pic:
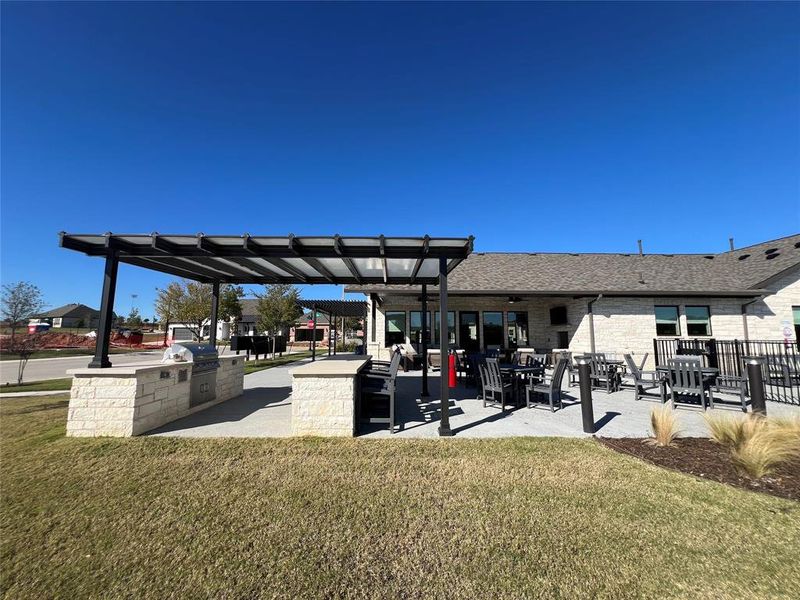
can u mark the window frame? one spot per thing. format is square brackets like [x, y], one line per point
[386, 331]
[436, 327]
[502, 333]
[709, 332]
[412, 329]
[677, 319]
[516, 326]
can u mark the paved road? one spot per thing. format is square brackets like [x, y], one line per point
[56, 368]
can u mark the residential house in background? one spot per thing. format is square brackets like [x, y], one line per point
[69, 315]
[598, 301]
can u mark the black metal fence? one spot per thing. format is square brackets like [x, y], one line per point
[781, 361]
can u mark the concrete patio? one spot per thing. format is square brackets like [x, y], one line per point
[264, 410]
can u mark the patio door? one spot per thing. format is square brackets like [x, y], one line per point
[468, 331]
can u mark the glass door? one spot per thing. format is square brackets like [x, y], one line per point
[468, 331]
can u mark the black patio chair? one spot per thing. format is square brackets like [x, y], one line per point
[642, 380]
[550, 387]
[601, 373]
[494, 385]
[377, 393]
[685, 378]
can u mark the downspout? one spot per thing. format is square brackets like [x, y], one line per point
[591, 322]
[744, 316]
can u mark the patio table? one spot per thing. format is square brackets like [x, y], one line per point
[518, 372]
[708, 374]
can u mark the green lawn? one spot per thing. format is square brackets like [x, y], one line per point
[46, 385]
[458, 518]
[253, 366]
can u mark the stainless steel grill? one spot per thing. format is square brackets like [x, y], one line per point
[205, 362]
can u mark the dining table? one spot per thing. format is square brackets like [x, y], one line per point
[518, 374]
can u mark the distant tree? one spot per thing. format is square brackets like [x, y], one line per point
[277, 309]
[24, 346]
[230, 309]
[134, 319]
[166, 306]
[19, 302]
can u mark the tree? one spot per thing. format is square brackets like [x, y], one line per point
[230, 309]
[277, 309]
[134, 319]
[20, 301]
[24, 347]
[166, 306]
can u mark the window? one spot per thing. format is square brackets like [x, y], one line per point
[563, 339]
[698, 320]
[558, 315]
[451, 327]
[395, 327]
[796, 315]
[517, 330]
[667, 322]
[415, 326]
[493, 330]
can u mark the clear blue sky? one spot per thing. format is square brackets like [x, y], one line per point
[536, 127]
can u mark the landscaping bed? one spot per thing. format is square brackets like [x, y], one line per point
[705, 458]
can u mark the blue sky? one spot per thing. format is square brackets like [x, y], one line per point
[535, 127]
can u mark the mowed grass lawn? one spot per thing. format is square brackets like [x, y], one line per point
[534, 518]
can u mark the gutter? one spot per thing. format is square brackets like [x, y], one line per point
[591, 322]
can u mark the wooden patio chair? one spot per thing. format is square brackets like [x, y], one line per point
[601, 375]
[549, 388]
[377, 393]
[642, 380]
[495, 387]
[686, 379]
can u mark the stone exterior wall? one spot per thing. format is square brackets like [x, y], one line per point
[122, 402]
[621, 324]
[324, 405]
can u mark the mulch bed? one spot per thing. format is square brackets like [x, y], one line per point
[704, 458]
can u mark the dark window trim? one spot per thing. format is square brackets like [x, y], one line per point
[710, 332]
[677, 319]
[386, 343]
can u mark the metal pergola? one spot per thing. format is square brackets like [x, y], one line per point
[246, 259]
[334, 309]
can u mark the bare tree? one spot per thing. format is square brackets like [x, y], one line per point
[20, 301]
[24, 346]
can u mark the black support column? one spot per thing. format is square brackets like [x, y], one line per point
[313, 332]
[444, 347]
[212, 330]
[424, 392]
[100, 360]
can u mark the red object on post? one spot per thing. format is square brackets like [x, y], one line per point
[451, 381]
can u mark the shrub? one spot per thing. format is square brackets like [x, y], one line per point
[664, 424]
[769, 444]
[730, 431]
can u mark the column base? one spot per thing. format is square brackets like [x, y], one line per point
[445, 432]
[99, 363]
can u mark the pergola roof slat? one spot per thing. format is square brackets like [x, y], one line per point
[270, 259]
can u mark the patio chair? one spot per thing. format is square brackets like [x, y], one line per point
[473, 362]
[495, 387]
[642, 380]
[377, 393]
[601, 373]
[550, 389]
[686, 379]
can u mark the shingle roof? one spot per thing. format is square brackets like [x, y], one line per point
[546, 273]
[70, 310]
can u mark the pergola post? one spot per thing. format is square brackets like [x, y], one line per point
[444, 346]
[333, 322]
[424, 392]
[330, 332]
[100, 360]
[314, 332]
[212, 333]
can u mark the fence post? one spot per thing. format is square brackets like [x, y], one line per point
[756, 377]
[587, 411]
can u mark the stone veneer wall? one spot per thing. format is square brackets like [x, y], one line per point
[124, 401]
[324, 405]
[621, 324]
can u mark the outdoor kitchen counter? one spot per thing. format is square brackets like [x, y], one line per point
[324, 396]
[130, 400]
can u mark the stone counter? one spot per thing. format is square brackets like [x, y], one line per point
[126, 401]
[324, 396]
